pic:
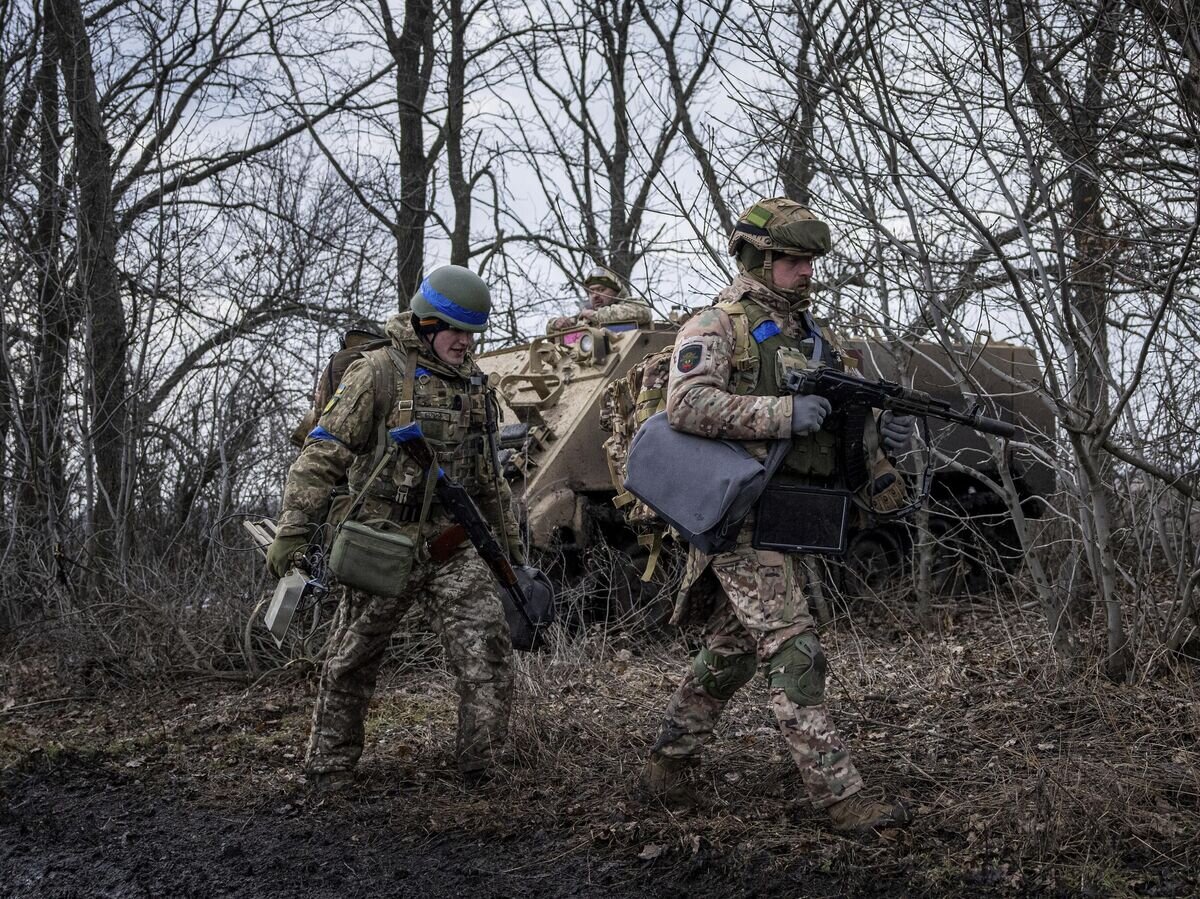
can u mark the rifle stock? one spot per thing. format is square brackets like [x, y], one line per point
[462, 509]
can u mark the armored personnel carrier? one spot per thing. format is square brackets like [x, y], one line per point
[552, 441]
[551, 390]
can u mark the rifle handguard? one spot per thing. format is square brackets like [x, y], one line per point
[994, 426]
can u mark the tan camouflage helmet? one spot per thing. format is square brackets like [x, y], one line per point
[780, 225]
[605, 277]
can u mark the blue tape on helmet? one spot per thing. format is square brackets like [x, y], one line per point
[320, 433]
[765, 331]
[447, 306]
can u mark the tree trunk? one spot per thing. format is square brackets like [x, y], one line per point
[615, 38]
[412, 50]
[97, 280]
[44, 486]
[796, 168]
[460, 188]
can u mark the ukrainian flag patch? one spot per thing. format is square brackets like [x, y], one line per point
[337, 395]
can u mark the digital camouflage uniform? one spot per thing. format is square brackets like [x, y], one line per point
[763, 619]
[458, 597]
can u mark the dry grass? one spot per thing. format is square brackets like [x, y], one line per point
[1023, 779]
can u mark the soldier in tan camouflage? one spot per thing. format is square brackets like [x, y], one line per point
[607, 303]
[723, 384]
[435, 382]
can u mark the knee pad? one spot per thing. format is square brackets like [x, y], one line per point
[722, 676]
[798, 669]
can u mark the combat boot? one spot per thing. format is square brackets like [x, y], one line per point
[672, 782]
[328, 782]
[859, 814]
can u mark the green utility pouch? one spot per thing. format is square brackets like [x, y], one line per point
[371, 560]
[814, 455]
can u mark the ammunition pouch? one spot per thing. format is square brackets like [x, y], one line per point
[368, 559]
[798, 518]
[814, 455]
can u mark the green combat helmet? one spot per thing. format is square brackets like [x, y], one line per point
[454, 295]
[603, 277]
[777, 225]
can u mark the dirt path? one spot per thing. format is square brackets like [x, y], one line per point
[86, 830]
[1021, 784]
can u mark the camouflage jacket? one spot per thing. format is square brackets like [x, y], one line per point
[623, 311]
[700, 392]
[447, 401]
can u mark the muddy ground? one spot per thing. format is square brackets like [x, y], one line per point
[1026, 779]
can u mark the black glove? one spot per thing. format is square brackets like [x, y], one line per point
[895, 432]
[808, 413]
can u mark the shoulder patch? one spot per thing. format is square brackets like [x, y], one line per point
[337, 395]
[765, 331]
[689, 357]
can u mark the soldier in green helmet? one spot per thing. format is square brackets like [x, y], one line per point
[723, 384]
[426, 375]
[607, 302]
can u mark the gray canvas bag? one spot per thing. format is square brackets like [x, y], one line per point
[703, 488]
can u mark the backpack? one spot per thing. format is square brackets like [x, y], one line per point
[357, 343]
[625, 406]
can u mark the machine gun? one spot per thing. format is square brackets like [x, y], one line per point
[534, 617]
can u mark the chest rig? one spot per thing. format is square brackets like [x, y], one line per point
[761, 352]
[449, 405]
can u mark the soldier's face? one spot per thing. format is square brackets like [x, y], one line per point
[600, 295]
[452, 345]
[792, 272]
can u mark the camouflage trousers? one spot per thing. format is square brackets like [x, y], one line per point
[762, 608]
[459, 600]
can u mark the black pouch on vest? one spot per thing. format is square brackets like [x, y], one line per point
[792, 518]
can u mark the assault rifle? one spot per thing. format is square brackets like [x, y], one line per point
[852, 399]
[846, 391]
[458, 503]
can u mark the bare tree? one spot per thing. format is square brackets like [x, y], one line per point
[607, 122]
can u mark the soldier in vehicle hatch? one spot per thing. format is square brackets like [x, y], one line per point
[607, 302]
[723, 384]
[426, 374]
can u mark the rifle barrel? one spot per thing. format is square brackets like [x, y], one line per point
[889, 395]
